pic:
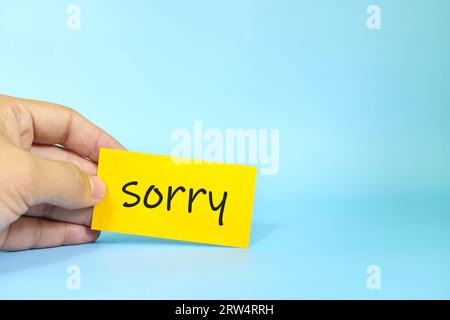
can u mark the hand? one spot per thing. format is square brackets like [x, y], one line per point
[48, 183]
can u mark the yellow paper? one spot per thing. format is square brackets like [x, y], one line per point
[130, 175]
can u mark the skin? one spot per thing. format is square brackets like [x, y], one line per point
[48, 168]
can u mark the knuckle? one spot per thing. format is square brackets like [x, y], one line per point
[19, 176]
[70, 111]
[17, 122]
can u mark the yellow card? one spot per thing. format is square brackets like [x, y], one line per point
[173, 198]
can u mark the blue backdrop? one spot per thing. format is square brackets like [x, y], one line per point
[364, 175]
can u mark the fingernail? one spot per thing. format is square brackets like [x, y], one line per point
[98, 189]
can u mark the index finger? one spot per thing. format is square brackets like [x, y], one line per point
[57, 124]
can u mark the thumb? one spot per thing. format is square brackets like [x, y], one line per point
[64, 184]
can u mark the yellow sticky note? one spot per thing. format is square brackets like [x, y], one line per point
[173, 198]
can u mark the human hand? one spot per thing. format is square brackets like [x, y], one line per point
[47, 191]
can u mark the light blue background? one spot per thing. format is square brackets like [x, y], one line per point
[364, 122]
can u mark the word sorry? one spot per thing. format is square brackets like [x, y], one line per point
[171, 192]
